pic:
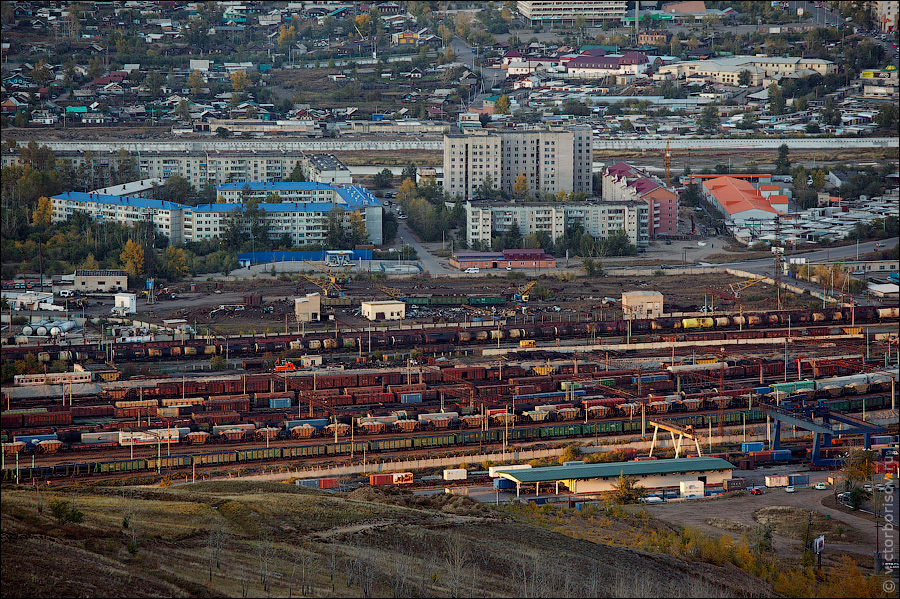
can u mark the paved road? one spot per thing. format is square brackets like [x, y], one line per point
[428, 261]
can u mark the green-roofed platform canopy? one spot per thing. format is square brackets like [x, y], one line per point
[599, 478]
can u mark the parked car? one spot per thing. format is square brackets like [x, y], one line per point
[789, 489]
[472, 271]
[755, 491]
[821, 486]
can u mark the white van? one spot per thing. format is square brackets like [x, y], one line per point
[472, 271]
[67, 293]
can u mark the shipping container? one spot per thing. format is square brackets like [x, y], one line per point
[734, 484]
[799, 480]
[504, 483]
[751, 447]
[777, 481]
[456, 474]
[691, 488]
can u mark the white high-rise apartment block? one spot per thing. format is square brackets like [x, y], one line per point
[561, 11]
[601, 219]
[552, 159]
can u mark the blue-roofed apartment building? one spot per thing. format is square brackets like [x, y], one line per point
[303, 215]
[127, 210]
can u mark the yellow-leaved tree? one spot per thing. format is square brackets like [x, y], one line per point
[132, 258]
[520, 186]
[502, 104]
[43, 214]
[407, 190]
[176, 262]
[239, 81]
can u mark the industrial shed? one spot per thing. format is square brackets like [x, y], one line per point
[598, 478]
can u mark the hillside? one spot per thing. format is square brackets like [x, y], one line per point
[233, 539]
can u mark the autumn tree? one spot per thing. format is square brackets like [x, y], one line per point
[744, 77]
[183, 110]
[43, 214]
[358, 234]
[90, 263]
[363, 23]
[176, 262]
[776, 100]
[239, 82]
[520, 186]
[40, 74]
[502, 104]
[286, 35]
[562, 196]
[407, 190]
[132, 258]
[195, 82]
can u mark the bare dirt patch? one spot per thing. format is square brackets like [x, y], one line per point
[800, 524]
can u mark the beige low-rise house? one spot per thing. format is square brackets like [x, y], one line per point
[384, 310]
[87, 281]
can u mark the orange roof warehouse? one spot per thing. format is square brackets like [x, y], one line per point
[599, 478]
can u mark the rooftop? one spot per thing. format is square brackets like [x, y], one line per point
[614, 469]
[81, 196]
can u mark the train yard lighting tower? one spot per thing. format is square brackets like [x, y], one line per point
[667, 163]
[778, 251]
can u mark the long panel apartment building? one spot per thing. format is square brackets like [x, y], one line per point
[551, 12]
[485, 219]
[552, 159]
[201, 168]
[304, 218]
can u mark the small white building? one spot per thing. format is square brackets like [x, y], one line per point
[309, 308]
[384, 310]
[642, 304]
[126, 303]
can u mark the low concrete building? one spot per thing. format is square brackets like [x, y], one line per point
[88, 281]
[309, 308]
[600, 478]
[126, 302]
[384, 310]
[642, 304]
[99, 372]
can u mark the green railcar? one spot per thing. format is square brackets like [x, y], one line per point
[487, 301]
[390, 444]
[222, 457]
[252, 455]
[442, 440]
[303, 451]
[346, 447]
[122, 466]
[560, 430]
[478, 437]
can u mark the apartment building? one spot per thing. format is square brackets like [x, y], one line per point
[552, 12]
[551, 159]
[485, 219]
[623, 182]
[302, 215]
[168, 217]
[217, 167]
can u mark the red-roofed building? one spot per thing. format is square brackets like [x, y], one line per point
[737, 199]
[623, 182]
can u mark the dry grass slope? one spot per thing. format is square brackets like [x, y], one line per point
[232, 539]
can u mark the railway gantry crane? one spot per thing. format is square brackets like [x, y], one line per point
[392, 293]
[329, 287]
[521, 294]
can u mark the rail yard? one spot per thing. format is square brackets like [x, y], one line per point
[435, 392]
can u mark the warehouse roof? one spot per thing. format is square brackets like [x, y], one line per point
[614, 469]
